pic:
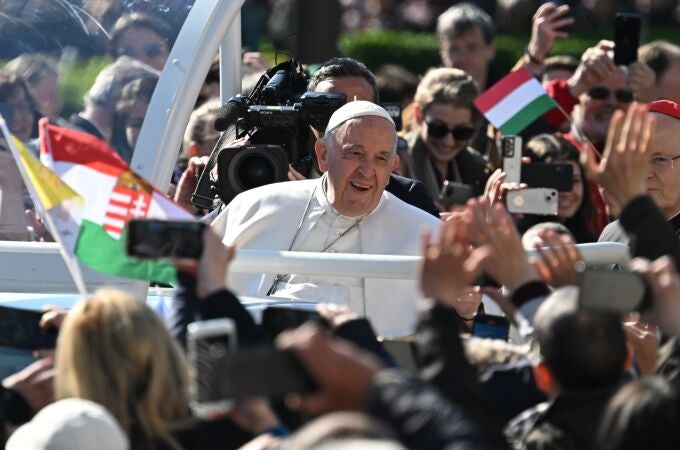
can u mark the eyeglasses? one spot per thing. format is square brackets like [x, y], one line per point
[439, 131]
[603, 93]
[150, 50]
[661, 163]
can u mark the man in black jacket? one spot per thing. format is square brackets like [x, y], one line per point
[582, 358]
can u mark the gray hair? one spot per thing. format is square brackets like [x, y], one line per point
[463, 17]
[107, 87]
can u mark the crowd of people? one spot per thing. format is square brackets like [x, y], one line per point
[394, 363]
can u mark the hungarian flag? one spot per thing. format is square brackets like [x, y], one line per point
[113, 194]
[514, 102]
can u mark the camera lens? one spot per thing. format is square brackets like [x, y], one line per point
[255, 170]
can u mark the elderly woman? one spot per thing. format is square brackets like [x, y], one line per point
[446, 119]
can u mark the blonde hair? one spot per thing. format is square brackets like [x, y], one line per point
[200, 128]
[115, 351]
[446, 86]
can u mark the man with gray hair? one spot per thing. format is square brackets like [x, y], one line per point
[467, 41]
[100, 101]
[347, 210]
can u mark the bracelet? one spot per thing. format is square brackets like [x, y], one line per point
[532, 59]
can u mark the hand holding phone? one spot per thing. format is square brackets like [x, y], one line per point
[540, 201]
[511, 150]
[20, 328]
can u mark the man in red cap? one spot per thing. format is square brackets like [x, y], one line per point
[640, 218]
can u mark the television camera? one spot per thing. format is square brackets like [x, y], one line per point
[276, 116]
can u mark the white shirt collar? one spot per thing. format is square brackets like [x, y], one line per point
[322, 199]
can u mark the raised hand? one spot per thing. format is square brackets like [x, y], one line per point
[559, 259]
[622, 172]
[547, 25]
[507, 262]
[450, 265]
[342, 372]
[595, 66]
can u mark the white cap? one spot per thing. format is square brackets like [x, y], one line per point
[352, 110]
[73, 424]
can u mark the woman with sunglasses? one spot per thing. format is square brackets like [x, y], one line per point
[438, 150]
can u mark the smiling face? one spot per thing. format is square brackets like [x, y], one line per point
[444, 149]
[663, 185]
[593, 115]
[359, 157]
[570, 202]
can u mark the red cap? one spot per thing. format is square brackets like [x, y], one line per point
[666, 107]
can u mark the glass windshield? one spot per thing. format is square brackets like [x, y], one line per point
[91, 65]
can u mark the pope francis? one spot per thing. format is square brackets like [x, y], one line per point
[347, 211]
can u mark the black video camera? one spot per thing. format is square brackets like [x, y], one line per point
[277, 116]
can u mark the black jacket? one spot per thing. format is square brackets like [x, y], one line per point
[444, 409]
[646, 230]
[412, 192]
[570, 422]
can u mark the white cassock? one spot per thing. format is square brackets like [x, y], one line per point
[268, 218]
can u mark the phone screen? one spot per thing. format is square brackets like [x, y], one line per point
[20, 328]
[276, 319]
[491, 327]
[553, 176]
[626, 38]
[154, 239]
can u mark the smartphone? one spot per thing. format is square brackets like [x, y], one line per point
[540, 201]
[208, 343]
[263, 372]
[276, 319]
[553, 176]
[454, 193]
[491, 327]
[20, 328]
[616, 291]
[626, 38]
[394, 110]
[155, 239]
[511, 150]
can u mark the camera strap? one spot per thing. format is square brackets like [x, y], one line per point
[280, 276]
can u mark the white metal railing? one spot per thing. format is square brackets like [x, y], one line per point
[23, 272]
[382, 266]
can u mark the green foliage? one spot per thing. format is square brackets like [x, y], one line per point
[419, 51]
[76, 79]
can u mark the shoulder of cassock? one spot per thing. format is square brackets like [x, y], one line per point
[394, 228]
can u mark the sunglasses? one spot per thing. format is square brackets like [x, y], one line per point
[602, 93]
[439, 131]
[151, 50]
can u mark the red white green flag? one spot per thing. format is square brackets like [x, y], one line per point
[113, 194]
[514, 102]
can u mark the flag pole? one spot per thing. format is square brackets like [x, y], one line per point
[70, 262]
[578, 134]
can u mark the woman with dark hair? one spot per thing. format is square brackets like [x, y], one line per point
[576, 209]
[144, 38]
